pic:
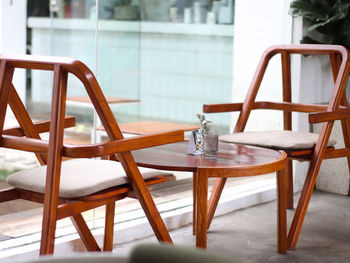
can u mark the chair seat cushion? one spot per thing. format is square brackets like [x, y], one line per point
[79, 177]
[287, 140]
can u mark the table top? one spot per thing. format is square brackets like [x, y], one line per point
[110, 100]
[148, 127]
[233, 156]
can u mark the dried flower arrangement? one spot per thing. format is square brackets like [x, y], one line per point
[207, 126]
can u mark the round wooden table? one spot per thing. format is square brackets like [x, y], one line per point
[233, 160]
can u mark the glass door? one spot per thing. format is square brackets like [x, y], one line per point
[118, 55]
[88, 30]
[172, 55]
[107, 41]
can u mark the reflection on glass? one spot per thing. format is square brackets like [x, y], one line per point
[173, 55]
[181, 11]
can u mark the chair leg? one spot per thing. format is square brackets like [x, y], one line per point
[145, 198]
[303, 202]
[85, 233]
[290, 191]
[49, 221]
[214, 198]
[109, 227]
[282, 184]
[48, 232]
[154, 217]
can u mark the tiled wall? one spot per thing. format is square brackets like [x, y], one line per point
[181, 72]
[172, 74]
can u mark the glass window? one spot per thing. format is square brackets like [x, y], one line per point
[171, 55]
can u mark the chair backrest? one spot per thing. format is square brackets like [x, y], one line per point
[51, 152]
[339, 56]
[61, 68]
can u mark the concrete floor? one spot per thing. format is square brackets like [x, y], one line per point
[250, 234]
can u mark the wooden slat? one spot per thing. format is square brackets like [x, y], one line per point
[25, 121]
[337, 153]
[80, 151]
[75, 208]
[287, 89]
[9, 194]
[287, 119]
[109, 227]
[6, 74]
[329, 116]
[54, 160]
[85, 233]
[286, 106]
[304, 153]
[264, 105]
[123, 145]
[224, 107]
[24, 144]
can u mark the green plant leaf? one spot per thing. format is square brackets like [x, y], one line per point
[329, 17]
[307, 9]
[330, 20]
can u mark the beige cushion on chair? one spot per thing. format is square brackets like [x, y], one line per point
[276, 139]
[79, 177]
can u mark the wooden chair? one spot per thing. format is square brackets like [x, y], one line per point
[304, 147]
[71, 187]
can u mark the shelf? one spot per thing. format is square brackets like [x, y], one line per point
[132, 26]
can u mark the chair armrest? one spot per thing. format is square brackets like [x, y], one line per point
[93, 150]
[267, 105]
[122, 145]
[325, 116]
[41, 126]
[225, 107]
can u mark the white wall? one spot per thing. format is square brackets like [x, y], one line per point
[13, 14]
[258, 25]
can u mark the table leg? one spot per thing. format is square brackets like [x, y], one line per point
[202, 200]
[282, 185]
[194, 188]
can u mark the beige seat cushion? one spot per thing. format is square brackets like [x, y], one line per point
[79, 177]
[276, 139]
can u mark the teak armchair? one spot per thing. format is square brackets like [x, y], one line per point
[299, 146]
[68, 188]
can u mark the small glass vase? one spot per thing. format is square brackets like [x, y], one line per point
[210, 145]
